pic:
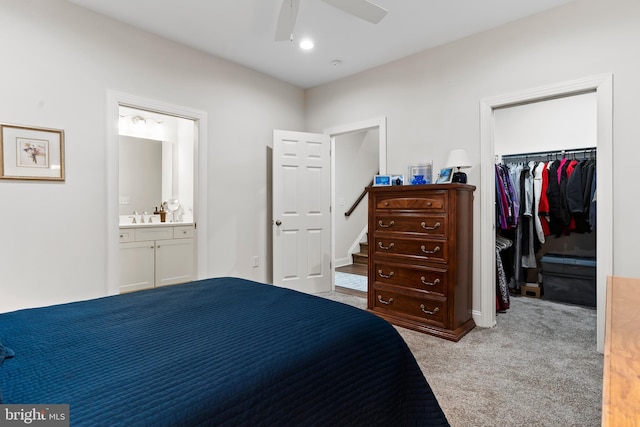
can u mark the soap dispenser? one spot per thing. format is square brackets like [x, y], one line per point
[162, 213]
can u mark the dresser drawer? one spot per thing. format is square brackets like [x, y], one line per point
[433, 280]
[425, 249]
[430, 310]
[432, 225]
[434, 201]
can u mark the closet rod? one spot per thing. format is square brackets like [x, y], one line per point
[548, 155]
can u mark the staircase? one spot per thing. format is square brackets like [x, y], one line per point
[360, 264]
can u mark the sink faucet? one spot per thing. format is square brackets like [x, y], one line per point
[133, 220]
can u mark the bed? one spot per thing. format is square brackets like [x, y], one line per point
[222, 351]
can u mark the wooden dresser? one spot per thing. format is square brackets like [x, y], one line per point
[621, 373]
[421, 257]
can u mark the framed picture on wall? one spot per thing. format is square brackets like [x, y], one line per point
[34, 153]
[445, 176]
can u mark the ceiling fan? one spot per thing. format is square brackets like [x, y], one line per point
[362, 9]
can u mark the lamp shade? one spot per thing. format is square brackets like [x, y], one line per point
[458, 159]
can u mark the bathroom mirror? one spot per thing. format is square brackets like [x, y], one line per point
[156, 162]
[141, 175]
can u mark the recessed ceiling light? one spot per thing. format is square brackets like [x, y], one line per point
[306, 44]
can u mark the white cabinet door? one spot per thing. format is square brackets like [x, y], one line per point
[137, 264]
[174, 261]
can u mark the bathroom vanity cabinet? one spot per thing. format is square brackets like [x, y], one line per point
[155, 255]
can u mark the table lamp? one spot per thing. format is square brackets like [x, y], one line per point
[458, 159]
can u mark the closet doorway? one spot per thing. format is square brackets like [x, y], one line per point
[601, 87]
[535, 145]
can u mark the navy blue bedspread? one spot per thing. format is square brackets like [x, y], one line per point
[222, 351]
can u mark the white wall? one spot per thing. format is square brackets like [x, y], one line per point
[356, 161]
[551, 125]
[431, 100]
[58, 62]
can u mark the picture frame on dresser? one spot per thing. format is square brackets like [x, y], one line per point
[31, 153]
[382, 180]
[397, 179]
[445, 176]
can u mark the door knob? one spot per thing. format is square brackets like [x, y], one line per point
[278, 223]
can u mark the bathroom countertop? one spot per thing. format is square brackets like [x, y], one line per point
[155, 224]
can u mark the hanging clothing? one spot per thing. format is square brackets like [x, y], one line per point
[502, 278]
[506, 197]
[539, 170]
[537, 199]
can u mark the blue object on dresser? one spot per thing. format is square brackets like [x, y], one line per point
[222, 351]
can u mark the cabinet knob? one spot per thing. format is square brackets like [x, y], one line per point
[278, 223]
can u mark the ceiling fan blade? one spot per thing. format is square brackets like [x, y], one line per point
[287, 19]
[363, 9]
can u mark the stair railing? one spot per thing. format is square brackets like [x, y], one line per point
[357, 202]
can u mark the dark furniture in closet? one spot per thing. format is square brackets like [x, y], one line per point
[421, 257]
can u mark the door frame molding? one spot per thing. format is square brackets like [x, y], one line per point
[114, 101]
[602, 85]
[333, 132]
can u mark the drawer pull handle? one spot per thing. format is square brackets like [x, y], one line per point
[385, 276]
[121, 236]
[385, 302]
[435, 250]
[429, 204]
[426, 227]
[382, 225]
[424, 281]
[386, 248]
[424, 310]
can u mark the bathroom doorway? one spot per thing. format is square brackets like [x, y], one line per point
[191, 183]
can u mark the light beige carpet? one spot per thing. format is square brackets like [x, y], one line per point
[538, 367]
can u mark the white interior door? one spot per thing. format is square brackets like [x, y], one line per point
[301, 211]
